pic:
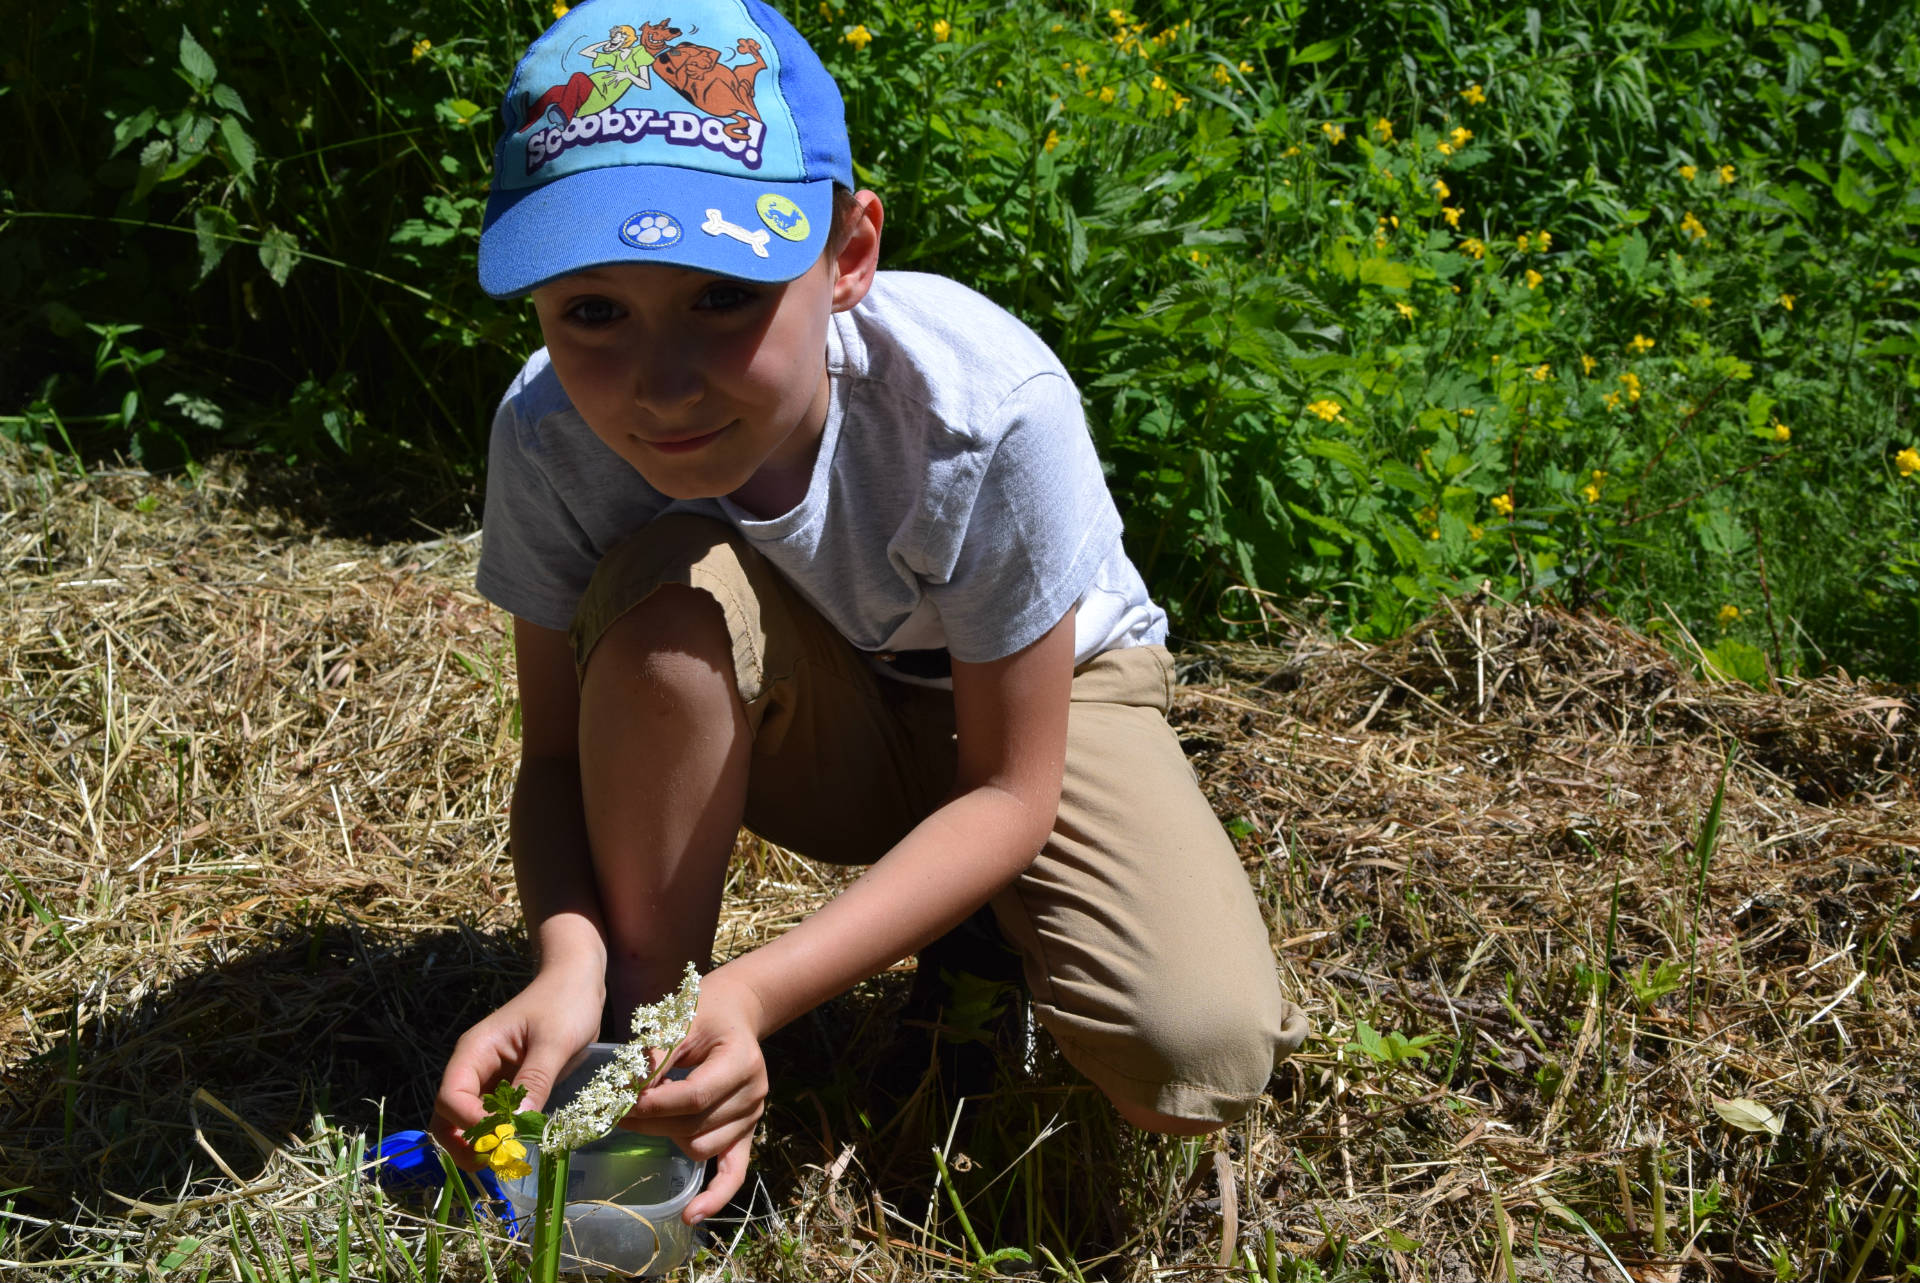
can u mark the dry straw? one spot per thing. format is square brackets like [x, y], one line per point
[252, 789]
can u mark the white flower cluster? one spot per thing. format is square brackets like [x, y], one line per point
[611, 1092]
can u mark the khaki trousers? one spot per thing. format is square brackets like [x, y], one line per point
[1142, 944]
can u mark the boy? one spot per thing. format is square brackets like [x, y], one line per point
[791, 542]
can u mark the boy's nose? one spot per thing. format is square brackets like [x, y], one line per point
[665, 385]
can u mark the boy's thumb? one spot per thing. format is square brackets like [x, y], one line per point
[538, 1075]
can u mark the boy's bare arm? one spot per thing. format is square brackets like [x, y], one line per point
[1011, 718]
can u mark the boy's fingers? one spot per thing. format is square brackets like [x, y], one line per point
[727, 1179]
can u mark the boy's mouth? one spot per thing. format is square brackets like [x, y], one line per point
[683, 445]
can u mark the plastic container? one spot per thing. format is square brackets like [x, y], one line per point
[625, 1194]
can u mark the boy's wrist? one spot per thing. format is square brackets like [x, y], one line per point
[568, 944]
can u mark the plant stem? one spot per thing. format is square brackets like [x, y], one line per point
[550, 1216]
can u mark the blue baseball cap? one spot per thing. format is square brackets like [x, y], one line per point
[701, 133]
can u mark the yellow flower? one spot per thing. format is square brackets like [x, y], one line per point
[1786, 301]
[1118, 17]
[1693, 227]
[1591, 493]
[1533, 279]
[517, 1170]
[560, 9]
[1631, 382]
[1503, 504]
[1441, 189]
[1702, 301]
[1522, 242]
[942, 30]
[1433, 534]
[1726, 175]
[1727, 614]
[826, 10]
[1221, 76]
[1384, 128]
[1327, 410]
[1291, 151]
[1542, 372]
[1159, 82]
[1687, 172]
[1474, 95]
[1474, 246]
[1908, 461]
[1080, 69]
[1587, 363]
[1452, 214]
[1445, 149]
[1335, 133]
[485, 1143]
[1460, 135]
[859, 37]
[1641, 343]
[420, 48]
[1781, 432]
[1405, 309]
[1106, 93]
[1612, 400]
[1053, 140]
[1544, 240]
[1180, 102]
[1246, 68]
[1474, 533]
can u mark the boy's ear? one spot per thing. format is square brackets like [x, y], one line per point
[859, 254]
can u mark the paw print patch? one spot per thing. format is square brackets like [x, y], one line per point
[651, 229]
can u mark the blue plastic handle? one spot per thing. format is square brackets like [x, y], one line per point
[409, 1162]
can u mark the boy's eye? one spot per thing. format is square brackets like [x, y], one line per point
[594, 311]
[724, 296]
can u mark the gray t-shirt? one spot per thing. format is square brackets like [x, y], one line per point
[956, 500]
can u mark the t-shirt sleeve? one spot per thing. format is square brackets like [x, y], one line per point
[535, 560]
[1041, 524]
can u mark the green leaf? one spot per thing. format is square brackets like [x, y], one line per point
[1852, 193]
[229, 97]
[1735, 661]
[1338, 452]
[1402, 477]
[195, 62]
[239, 146]
[213, 230]
[1702, 38]
[279, 251]
[1385, 273]
[178, 1253]
[1319, 51]
[1633, 256]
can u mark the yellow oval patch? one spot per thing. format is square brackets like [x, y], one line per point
[782, 217]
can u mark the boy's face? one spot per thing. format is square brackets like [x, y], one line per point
[704, 383]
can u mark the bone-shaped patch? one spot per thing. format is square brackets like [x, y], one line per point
[718, 226]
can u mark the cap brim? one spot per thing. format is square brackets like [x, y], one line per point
[651, 214]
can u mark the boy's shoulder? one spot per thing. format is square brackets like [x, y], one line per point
[934, 341]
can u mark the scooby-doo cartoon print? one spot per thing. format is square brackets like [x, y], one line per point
[626, 61]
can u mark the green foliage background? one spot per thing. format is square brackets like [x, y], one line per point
[1329, 357]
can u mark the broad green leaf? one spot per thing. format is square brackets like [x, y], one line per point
[1338, 452]
[1633, 256]
[239, 145]
[1385, 273]
[196, 62]
[1402, 477]
[213, 230]
[1319, 51]
[1852, 193]
[278, 253]
[229, 97]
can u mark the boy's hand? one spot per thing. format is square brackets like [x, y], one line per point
[711, 1113]
[531, 1039]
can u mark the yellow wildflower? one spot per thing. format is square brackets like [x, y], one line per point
[1591, 493]
[1159, 82]
[1687, 172]
[1328, 411]
[1384, 128]
[1726, 175]
[1474, 246]
[1180, 102]
[1107, 94]
[1405, 309]
[1118, 17]
[1053, 140]
[1786, 301]
[1631, 382]
[1542, 372]
[826, 10]
[1781, 432]
[859, 37]
[1908, 461]
[1080, 69]
[1641, 343]
[1587, 363]
[1291, 151]
[1441, 189]
[1475, 532]
[1474, 95]
[1221, 76]
[1445, 149]
[1727, 614]
[1246, 68]
[1433, 534]
[1460, 135]
[942, 30]
[1693, 227]
[1544, 240]
[1523, 242]
[1612, 400]
[1503, 504]
[560, 10]
[420, 48]
[1335, 133]
[1452, 214]
[1533, 279]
